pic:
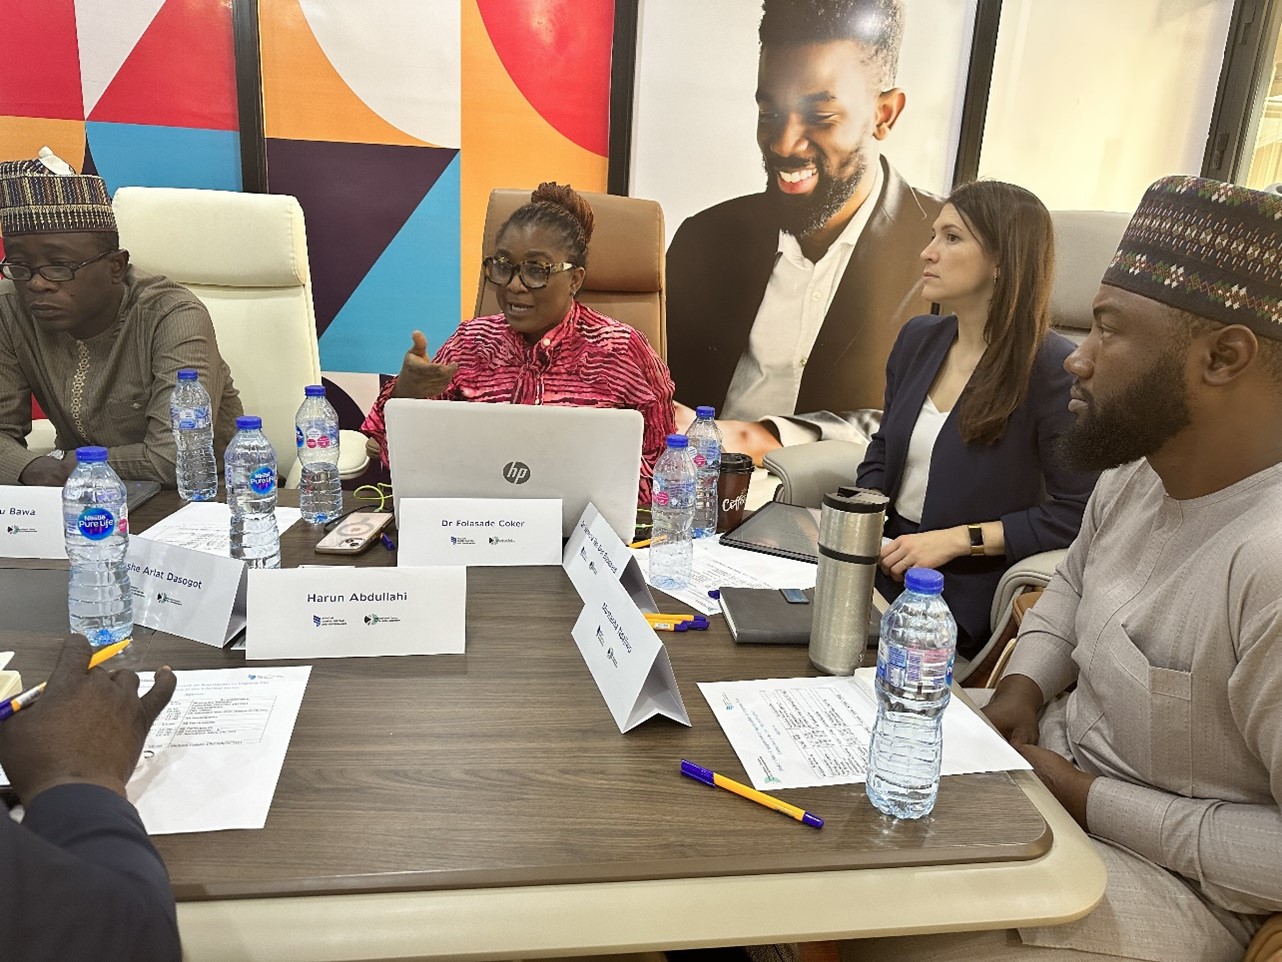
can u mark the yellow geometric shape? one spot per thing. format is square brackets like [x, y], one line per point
[304, 97]
[22, 137]
[505, 143]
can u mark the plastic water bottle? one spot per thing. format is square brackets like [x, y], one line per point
[251, 495]
[705, 440]
[914, 672]
[191, 418]
[672, 512]
[316, 428]
[95, 519]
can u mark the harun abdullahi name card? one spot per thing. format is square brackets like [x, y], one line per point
[334, 612]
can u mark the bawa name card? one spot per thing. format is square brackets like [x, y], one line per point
[332, 612]
[31, 522]
[188, 593]
[479, 531]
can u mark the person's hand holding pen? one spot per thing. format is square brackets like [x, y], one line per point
[88, 726]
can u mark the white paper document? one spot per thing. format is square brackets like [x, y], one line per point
[718, 566]
[206, 526]
[806, 732]
[213, 757]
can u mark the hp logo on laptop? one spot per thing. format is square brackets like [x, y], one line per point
[516, 472]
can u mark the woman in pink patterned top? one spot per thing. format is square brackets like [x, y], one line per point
[546, 347]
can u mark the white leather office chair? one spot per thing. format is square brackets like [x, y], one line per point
[1085, 241]
[245, 257]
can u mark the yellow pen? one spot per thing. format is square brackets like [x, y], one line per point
[19, 702]
[709, 777]
[644, 543]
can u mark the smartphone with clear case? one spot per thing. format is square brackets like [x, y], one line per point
[354, 533]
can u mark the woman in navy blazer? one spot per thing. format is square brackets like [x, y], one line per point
[989, 487]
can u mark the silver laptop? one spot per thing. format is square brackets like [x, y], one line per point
[453, 449]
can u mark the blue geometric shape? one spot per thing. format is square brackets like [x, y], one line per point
[138, 155]
[414, 285]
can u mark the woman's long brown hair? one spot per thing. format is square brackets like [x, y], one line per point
[1015, 229]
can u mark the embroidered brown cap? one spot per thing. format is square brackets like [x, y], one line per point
[1207, 247]
[45, 195]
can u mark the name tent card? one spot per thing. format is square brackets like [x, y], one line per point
[188, 593]
[339, 612]
[594, 555]
[478, 531]
[31, 522]
[628, 662]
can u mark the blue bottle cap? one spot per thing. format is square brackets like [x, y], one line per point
[705, 411]
[924, 581]
[187, 374]
[249, 422]
[91, 455]
[677, 441]
[314, 390]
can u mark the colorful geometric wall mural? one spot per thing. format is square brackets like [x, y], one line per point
[142, 91]
[391, 123]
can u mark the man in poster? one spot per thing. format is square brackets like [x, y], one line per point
[783, 305]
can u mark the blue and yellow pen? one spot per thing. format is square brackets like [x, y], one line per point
[709, 777]
[19, 702]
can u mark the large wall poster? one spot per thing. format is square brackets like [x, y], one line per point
[748, 330]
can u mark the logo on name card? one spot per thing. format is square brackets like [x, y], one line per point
[327, 621]
[380, 619]
[600, 636]
[610, 654]
[167, 599]
[494, 540]
[18, 529]
[592, 566]
[516, 472]
[457, 540]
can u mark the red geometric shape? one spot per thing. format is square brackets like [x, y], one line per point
[40, 60]
[181, 73]
[558, 54]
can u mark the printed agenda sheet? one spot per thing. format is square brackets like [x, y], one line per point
[804, 732]
[214, 755]
[206, 526]
[719, 566]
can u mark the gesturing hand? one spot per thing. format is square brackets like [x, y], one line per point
[420, 377]
[88, 726]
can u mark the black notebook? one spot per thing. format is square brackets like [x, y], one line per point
[762, 616]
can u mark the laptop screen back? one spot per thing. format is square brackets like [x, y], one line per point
[453, 449]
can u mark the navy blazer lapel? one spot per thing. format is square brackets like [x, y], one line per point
[918, 374]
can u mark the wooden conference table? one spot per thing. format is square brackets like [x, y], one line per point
[485, 806]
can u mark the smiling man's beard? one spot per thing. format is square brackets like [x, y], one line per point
[1132, 424]
[802, 214]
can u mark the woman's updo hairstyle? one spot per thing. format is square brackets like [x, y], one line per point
[558, 207]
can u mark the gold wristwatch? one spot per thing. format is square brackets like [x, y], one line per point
[976, 538]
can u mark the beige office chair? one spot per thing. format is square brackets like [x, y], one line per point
[245, 257]
[1084, 245]
[625, 280]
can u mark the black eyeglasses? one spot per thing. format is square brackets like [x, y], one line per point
[58, 273]
[534, 274]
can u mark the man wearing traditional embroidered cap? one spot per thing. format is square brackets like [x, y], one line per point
[1167, 612]
[96, 341]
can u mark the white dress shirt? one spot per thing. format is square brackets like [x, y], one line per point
[767, 379]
